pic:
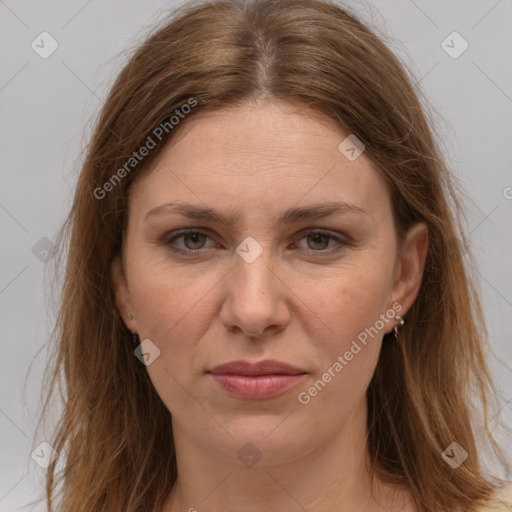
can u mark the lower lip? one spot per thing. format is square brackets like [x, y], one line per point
[257, 386]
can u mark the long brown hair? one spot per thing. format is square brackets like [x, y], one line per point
[114, 436]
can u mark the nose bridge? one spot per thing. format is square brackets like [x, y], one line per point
[254, 301]
[253, 268]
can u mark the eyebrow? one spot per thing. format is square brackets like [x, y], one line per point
[293, 215]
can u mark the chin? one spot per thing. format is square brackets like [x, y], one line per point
[263, 442]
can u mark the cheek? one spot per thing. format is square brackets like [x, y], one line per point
[352, 298]
[174, 311]
[353, 309]
[164, 309]
[347, 355]
[174, 308]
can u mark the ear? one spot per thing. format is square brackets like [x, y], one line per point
[409, 267]
[122, 295]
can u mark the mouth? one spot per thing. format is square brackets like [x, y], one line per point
[256, 381]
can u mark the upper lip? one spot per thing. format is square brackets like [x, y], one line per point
[266, 367]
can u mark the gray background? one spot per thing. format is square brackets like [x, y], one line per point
[47, 106]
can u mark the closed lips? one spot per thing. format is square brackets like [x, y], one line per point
[256, 381]
[266, 367]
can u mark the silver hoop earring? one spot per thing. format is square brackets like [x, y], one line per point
[399, 322]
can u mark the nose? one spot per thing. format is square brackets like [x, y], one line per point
[256, 297]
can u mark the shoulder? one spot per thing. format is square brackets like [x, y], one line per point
[501, 501]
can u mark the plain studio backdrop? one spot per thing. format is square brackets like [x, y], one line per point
[50, 91]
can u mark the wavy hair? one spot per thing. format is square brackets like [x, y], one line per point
[430, 388]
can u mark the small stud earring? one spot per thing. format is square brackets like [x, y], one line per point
[399, 322]
[130, 316]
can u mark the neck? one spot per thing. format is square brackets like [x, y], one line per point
[333, 477]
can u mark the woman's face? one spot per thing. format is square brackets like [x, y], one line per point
[291, 256]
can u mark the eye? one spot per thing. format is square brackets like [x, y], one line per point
[319, 241]
[194, 241]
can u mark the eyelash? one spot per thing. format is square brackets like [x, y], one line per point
[167, 240]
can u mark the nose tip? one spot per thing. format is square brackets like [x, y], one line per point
[255, 304]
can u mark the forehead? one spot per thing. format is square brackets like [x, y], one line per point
[262, 155]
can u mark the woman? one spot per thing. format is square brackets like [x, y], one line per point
[265, 304]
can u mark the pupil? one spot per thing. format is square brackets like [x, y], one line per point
[195, 239]
[317, 237]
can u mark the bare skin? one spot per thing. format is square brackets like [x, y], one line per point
[301, 301]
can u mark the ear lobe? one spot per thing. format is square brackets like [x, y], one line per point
[122, 294]
[410, 266]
